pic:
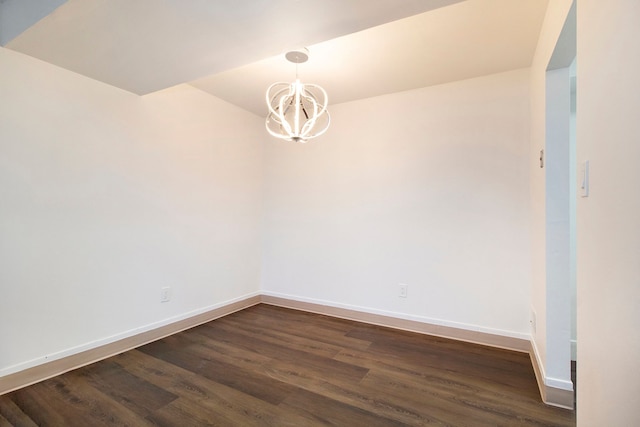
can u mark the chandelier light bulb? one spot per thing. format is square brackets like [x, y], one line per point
[297, 111]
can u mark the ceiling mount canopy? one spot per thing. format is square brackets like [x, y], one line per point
[297, 111]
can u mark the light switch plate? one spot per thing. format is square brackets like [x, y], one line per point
[584, 179]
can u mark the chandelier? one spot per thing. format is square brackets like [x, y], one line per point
[297, 111]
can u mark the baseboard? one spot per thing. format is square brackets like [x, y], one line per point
[560, 396]
[47, 370]
[476, 337]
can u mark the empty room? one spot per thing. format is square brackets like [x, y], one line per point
[319, 212]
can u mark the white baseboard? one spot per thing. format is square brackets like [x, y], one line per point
[457, 331]
[554, 392]
[33, 372]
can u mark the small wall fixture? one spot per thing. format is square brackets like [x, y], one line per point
[297, 111]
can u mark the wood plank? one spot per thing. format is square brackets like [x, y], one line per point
[323, 329]
[259, 386]
[448, 381]
[321, 410]
[12, 415]
[72, 401]
[50, 369]
[201, 399]
[306, 343]
[484, 405]
[268, 365]
[5, 422]
[357, 395]
[284, 353]
[37, 402]
[495, 365]
[141, 396]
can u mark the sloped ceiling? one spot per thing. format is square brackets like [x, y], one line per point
[233, 49]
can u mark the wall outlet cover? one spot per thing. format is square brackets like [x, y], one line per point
[165, 294]
[404, 289]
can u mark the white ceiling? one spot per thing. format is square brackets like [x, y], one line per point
[233, 48]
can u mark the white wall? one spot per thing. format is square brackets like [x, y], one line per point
[608, 231]
[573, 199]
[554, 20]
[427, 187]
[105, 197]
[558, 231]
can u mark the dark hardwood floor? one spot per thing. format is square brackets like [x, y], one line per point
[272, 366]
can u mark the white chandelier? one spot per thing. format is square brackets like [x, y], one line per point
[297, 111]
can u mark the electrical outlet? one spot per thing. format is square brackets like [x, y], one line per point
[165, 294]
[403, 290]
[533, 321]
